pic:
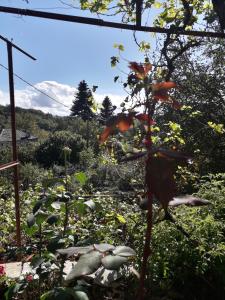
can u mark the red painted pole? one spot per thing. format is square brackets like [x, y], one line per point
[14, 146]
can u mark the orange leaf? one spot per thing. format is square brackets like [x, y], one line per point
[166, 85]
[137, 68]
[105, 134]
[141, 70]
[160, 90]
[124, 122]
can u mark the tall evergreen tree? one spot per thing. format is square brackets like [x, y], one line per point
[106, 111]
[82, 103]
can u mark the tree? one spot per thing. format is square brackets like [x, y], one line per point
[201, 80]
[82, 103]
[106, 111]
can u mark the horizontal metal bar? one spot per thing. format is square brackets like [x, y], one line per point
[16, 47]
[98, 22]
[9, 165]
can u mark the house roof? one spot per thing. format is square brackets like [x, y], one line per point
[6, 136]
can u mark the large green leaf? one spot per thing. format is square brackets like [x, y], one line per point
[90, 204]
[56, 205]
[37, 205]
[62, 293]
[113, 262]
[104, 247]
[75, 250]
[40, 217]
[52, 219]
[30, 220]
[87, 264]
[80, 295]
[81, 177]
[124, 251]
[36, 261]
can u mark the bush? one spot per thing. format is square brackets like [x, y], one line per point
[192, 268]
[50, 151]
[31, 174]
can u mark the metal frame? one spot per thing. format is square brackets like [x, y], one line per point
[99, 22]
[14, 163]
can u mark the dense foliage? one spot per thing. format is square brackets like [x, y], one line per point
[83, 102]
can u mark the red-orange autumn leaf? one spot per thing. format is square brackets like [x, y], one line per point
[160, 90]
[122, 121]
[140, 70]
[105, 134]
[166, 85]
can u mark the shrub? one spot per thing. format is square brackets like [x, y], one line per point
[50, 151]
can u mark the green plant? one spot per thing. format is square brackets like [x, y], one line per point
[50, 151]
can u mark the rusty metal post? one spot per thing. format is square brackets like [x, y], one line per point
[14, 146]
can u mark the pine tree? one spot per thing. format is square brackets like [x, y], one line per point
[82, 103]
[106, 111]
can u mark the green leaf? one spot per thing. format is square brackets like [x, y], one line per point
[37, 205]
[55, 244]
[120, 218]
[114, 61]
[104, 247]
[90, 204]
[56, 205]
[218, 128]
[75, 250]
[119, 47]
[124, 251]
[81, 177]
[112, 262]
[80, 295]
[144, 46]
[52, 219]
[40, 217]
[30, 220]
[36, 261]
[157, 4]
[80, 207]
[31, 230]
[116, 78]
[62, 293]
[87, 264]
[10, 292]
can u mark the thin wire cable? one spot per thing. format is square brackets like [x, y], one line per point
[37, 89]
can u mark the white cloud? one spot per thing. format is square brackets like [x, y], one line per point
[32, 98]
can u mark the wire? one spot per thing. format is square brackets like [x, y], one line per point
[34, 87]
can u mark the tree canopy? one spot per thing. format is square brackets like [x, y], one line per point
[83, 102]
[106, 111]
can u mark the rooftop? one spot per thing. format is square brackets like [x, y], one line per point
[6, 136]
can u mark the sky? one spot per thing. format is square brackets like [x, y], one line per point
[66, 54]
